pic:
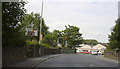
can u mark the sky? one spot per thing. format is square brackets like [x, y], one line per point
[95, 18]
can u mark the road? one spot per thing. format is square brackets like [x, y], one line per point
[78, 60]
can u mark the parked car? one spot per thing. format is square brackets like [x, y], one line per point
[87, 52]
[100, 53]
[94, 53]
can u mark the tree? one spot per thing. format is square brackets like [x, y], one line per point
[114, 38]
[90, 41]
[72, 36]
[34, 19]
[51, 39]
[59, 36]
[11, 15]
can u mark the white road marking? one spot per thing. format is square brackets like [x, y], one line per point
[117, 62]
[92, 65]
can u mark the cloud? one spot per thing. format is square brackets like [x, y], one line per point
[91, 16]
[59, 25]
[81, 0]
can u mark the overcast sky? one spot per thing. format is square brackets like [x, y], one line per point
[95, 18]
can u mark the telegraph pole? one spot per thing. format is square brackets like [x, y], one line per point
[40, 35]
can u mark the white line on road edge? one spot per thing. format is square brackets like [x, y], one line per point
[92, 65]
[45, 60]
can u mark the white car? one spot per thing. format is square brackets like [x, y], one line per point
[94, 53]
[100, 53]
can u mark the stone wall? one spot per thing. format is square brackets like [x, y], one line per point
[12, 55]
[112, 55]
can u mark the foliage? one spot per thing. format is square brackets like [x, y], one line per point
[90, 41]
[11, 15]
[50, 39]
[47, 46]
[33, 42]
[114, 38]
[34, 19]
[72, 35]
[59, 36]
[109, 49]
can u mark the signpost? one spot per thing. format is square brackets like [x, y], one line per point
[31, 32]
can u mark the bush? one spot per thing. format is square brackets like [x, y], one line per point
[48, 46]
[29, 48]
[33, 42]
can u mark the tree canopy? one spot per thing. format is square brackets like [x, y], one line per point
[34, 19]
[114, 38]
[11, 15]
[90, 41]
[15, 21]
[72, 35]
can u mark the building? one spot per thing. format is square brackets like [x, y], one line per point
[83, 48]
[88, 48]
[99, 47]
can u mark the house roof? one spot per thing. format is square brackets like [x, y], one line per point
[81, 44]
[86, 46]
[98, 46]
